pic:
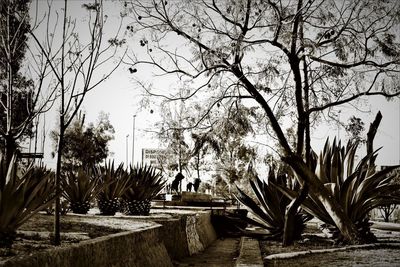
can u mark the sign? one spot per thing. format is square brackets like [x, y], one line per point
[31, 155]
[154, 156]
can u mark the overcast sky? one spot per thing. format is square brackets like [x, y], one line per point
[120, 97]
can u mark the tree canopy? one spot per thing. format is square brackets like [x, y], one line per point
[297, 60]
[86, 144]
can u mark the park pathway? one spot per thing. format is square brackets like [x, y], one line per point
[222, 253]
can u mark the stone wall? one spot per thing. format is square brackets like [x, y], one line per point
[191, 197]
[188, 234]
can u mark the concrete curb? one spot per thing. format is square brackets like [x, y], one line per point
[250, 254]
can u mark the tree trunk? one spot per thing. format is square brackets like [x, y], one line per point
[302, 126]
[344, 224]
[57, 210]
[290, 215]
[198, 165]
[373, 127]
[10, 148]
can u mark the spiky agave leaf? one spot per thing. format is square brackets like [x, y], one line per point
[115, 179]
[263, 217]
[145, 183]
[360, 190]
[115, 182]
[270, 207]
[22, 195]
[311, 204]
[80, 187]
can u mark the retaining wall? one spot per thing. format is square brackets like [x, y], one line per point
[146, 241]
[186, 234]
[136, 248]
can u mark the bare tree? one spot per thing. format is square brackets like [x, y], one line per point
[76, 65]
[294, 59]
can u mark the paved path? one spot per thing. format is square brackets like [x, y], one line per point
[222, 253]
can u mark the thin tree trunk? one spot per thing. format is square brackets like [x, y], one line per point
[10, 147]
[57, 212]
[303, 125]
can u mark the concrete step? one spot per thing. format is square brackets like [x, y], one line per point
[249, 254]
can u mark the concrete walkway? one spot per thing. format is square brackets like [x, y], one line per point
[222, 253]
[250, 254]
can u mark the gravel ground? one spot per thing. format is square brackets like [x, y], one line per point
[386, 252]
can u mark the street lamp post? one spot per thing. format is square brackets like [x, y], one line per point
[126, 145]
[338, 128]
[133, 140]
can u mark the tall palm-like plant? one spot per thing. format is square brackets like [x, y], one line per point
[358, 188]
[80, 187]
[23, 193]
[270, 206]
[145, 184]
[116, 181]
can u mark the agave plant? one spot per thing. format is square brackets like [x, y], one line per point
[116, 182]
[270, 206]
[357, 188]
[145, 184]
[80, 188]
[23, 193]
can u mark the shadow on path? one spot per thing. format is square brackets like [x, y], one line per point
[222, 253]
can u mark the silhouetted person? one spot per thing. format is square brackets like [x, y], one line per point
[196, 184]
[189, 187]
[175, 183]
